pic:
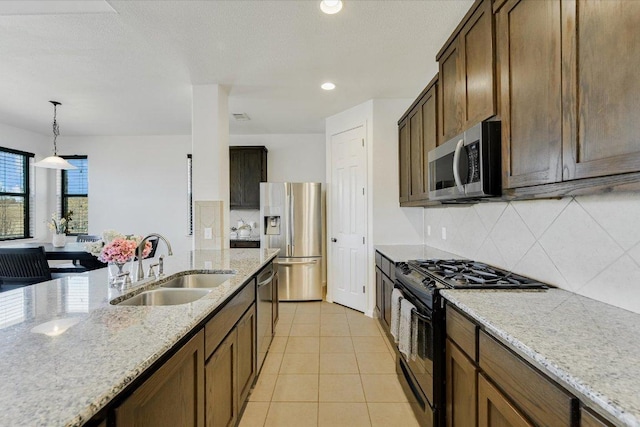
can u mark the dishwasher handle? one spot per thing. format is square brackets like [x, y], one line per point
[267, 271]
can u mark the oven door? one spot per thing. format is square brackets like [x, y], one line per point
[421, 361]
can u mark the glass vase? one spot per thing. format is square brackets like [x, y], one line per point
[59, 240]
[117, 271]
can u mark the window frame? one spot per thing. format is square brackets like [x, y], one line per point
[64, 195]
[190, 191]
[26, 195]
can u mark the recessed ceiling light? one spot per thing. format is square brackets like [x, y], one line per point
[328, 86]
[331, 6]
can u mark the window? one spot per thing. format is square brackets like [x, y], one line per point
[15, 194]
[74, 194]
[190, 191]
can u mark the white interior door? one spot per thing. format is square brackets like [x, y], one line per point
[348, 218]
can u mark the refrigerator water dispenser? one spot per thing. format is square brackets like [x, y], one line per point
[272, 225]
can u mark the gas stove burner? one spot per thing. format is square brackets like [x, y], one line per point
[472, 274]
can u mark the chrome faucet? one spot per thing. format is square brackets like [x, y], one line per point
[140, 249]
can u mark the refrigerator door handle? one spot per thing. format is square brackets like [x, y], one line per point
[315, 261]
[292, 201]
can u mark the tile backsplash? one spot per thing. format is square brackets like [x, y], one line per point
[589, 245]
[207, 214]
[248, 216]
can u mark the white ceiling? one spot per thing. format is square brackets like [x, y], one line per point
[130, 72]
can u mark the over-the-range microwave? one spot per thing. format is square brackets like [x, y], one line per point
[468, 166]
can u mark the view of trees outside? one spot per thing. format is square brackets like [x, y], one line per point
[75, 192]
[13, 193]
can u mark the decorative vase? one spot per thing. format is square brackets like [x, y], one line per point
[116, 269]
[59, 240]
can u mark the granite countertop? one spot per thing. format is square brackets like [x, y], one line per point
[590, 347]
[399, 253]
[66, 379]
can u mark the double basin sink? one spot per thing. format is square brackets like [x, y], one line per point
[180, 290]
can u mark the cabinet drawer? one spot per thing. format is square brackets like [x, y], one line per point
[386, 266]
[462, 331]
[217, 328]
[541, 400]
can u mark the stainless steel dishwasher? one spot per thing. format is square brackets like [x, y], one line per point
[265, 312]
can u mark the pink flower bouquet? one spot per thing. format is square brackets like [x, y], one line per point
[123, 249]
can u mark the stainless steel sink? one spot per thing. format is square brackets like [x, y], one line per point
[197, 281]
[166, 297]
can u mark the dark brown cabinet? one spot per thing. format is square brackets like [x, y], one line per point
[221, 381]
[589, 419]
[173, 395]
[247, 169]
[247, 352]
[579, 122]
[418, 134]
[244, 244]
[601, 89]
[385, 274]
[495, 410]
[467, 72]
[461, 388]
[531, 108]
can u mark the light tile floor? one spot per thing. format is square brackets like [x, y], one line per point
[327, 366]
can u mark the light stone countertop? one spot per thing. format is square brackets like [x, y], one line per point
[400, 253]
[590, 347]
[64, 380]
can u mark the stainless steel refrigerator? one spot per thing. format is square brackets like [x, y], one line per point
[291, 215]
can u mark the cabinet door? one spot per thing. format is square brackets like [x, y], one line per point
[461, 388]
[588, 419]
[416, 190]
[236, 159]
[451, 100]
[253, 175]
[387, 288]
[530, 77]
[246, 353]
[173, 395]
[404, 162]
[495, 410]
[379, 293]
[601, 57]
[221, 384]
[477, 44]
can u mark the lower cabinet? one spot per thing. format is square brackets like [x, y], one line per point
[494, 409]
[385, 271]
[461, 388]
[230, 372]
[173, 395]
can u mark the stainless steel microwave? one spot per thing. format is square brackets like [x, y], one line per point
[468, 166]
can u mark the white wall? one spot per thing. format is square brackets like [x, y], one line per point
[41, 146]
[589, 245]
[137, 184]
[291, 157]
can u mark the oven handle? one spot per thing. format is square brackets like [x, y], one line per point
[422, 316]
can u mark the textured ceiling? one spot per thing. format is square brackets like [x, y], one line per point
[130, 73]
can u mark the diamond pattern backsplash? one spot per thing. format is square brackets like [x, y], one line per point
[589, 245]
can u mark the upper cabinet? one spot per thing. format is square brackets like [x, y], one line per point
[418, 134]
[580, 119]
[601, 89]
[467, 73]
[528, 49]
[247, 169]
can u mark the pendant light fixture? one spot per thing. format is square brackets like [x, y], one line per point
[54, 162]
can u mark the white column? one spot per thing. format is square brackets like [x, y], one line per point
[210, 150]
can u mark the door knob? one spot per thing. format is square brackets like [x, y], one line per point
[333, 239]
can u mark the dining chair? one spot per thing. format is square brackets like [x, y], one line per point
[87, 238]
[23, 266]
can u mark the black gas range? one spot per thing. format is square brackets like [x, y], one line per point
[420, 281]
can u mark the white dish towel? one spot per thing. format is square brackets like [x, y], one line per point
[405, 334]
[396, 296]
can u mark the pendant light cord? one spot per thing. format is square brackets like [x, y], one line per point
[56, 129]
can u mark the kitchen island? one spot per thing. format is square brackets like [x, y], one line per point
[98, 349]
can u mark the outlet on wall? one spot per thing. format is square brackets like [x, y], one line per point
[444, 233]
[428, 230]
[208, 233]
